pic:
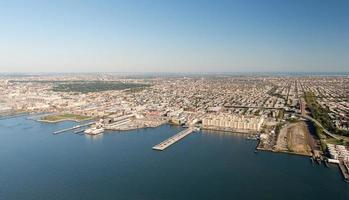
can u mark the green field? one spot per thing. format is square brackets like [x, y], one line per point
[95, 86]
[61, 117]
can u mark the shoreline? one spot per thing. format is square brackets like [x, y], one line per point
[13, 115]
[282, 152]
[258, 148]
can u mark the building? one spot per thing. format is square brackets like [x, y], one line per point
[302, 107]
[4, 108]
[233, 122]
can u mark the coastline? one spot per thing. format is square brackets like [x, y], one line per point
[282, 152]
[13, 115]
[258, 148]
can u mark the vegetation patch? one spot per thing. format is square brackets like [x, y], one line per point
[335, 141]
[95, 86]
[321, 114]
[63, 117]
[293, 120]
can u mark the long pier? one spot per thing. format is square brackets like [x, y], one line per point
[72, 128]
[168, 142]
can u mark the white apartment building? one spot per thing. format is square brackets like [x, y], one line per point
[233, 122]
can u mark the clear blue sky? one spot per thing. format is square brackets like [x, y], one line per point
[174, 36]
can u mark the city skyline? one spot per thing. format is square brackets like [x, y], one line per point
[174, 37]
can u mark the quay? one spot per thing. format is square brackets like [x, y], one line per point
[344, 170]
[168, 142]
[72, 128]
[115, 125]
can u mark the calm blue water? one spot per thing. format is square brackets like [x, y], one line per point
[34, 164]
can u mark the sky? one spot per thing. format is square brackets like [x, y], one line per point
[174, 36]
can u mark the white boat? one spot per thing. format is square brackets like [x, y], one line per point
[97, 131]
[88, 130]
[94, 131]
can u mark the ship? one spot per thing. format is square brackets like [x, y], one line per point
[94, 131]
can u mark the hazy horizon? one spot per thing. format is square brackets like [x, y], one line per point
[177, 74]
[174, 36]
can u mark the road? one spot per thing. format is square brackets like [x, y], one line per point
[320, 125]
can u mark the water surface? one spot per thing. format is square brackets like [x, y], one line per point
[34, 164]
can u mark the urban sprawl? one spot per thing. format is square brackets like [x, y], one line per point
[304, 115]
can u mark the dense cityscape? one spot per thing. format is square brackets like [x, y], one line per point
[304, 115]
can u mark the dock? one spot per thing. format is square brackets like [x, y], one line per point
[168, 142]
[344, 171]
[72, 128]
[79, 131]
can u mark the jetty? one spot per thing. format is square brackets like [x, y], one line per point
[168, 142]
[72, 128]
[345, 170]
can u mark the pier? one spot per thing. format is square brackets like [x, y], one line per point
[72, 128]
[344, 171]
[163, 145]
[79, 131]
